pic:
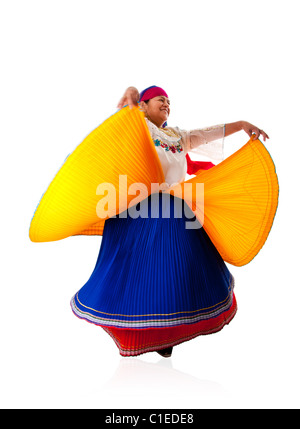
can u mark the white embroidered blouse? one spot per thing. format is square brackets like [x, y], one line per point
[172, 144]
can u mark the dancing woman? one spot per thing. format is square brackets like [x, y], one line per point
[157, 283]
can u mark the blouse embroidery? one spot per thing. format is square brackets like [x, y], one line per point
[171, 147]
[168, 139]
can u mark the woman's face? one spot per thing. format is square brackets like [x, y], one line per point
[157, 109]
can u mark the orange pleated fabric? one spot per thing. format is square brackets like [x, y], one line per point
[120, 146]
[240, 194]
[240, 202]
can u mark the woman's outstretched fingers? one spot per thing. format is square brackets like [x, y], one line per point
[253, 131]
[121, 103]
[265, 135]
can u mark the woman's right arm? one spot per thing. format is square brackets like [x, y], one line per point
[131, 97]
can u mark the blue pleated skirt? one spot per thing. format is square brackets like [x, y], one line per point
[158, 279]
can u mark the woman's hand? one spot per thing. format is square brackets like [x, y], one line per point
[130, 97]
[251, 129]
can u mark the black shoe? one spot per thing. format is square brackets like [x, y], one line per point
[165, 352]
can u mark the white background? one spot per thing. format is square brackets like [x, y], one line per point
[64, 66]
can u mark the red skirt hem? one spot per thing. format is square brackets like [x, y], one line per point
[133, 342]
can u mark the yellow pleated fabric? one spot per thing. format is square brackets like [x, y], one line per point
[240, 202]
[121, 145]
[240, 194]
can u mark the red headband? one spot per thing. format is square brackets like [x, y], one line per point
[151, 92]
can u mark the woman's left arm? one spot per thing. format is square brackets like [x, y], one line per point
[250, 129]
[197, 140]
